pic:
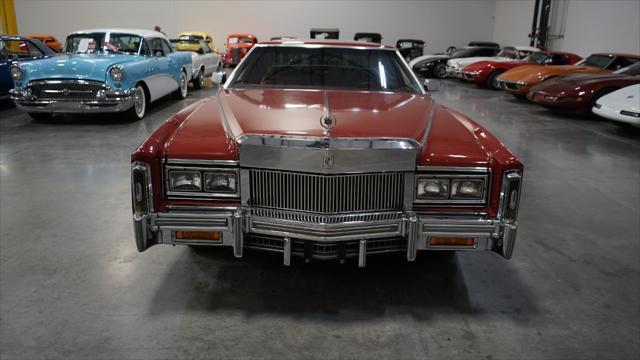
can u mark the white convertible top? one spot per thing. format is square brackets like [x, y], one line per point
[526, 48]
[140, 32]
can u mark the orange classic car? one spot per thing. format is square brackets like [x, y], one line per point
[48, 40]
[519, 80]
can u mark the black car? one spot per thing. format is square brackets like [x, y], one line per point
[368, 37]
[436, 65]
[410, 48]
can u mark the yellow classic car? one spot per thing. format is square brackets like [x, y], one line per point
[197, 35]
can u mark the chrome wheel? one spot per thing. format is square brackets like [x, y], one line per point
[440, 71]
[183, 85]
[201, 79]
[139, 102]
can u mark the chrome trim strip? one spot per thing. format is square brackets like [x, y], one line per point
[454, 169]
[177, 161]
[425, 137]
[309, 154]
[362, 253]
[287, 251]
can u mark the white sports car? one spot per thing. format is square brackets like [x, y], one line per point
[622, 105]
[508, 53]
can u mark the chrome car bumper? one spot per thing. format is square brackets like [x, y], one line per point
[325, 236]
[108, 101]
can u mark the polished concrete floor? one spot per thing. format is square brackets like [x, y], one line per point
[73, 286]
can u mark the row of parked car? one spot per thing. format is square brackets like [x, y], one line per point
[607, 84]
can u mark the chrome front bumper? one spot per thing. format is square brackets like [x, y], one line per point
[325, 237]
[108, 101]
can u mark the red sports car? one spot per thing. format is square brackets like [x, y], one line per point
[577, 93]
[484, 73]
[325, 150]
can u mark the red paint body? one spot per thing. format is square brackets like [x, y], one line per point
[243, 48]
[197, 132]
[577, 92]
[485, 68]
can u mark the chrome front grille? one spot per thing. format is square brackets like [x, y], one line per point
[327, 193]
[65, 89]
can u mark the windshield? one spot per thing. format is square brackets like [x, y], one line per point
[18, 49]
[510, 53]
[103, 42]
[464, 52]
[599, 61]
[539, 57]
[235, 40]
[629, 70]
[325, 67]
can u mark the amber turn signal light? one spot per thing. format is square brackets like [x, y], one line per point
[198, 235]
[451, 241]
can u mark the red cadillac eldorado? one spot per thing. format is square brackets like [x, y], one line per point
[324, 150]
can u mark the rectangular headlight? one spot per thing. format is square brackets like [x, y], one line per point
[457, 186]
[220, 182]
[432, 188]
[467, 189]
[185, 180]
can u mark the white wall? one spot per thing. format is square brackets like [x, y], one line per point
[439, 23]
[513, 19]
[598, 26]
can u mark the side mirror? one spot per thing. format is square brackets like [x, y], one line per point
[219, 78]
[158, 54]
[431, 85]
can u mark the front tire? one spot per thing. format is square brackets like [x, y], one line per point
[139, 108]
[440, 71]
[198, 82]
[492, 80]
[181, 92]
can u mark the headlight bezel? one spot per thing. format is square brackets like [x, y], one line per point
[117, 68]
[203, 192]
[11, 72]
[454, 174]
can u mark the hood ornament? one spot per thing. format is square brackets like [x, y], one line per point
[327, 120]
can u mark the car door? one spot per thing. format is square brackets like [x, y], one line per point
[159, 75]
[211, 59]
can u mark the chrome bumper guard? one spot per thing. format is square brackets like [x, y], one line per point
[325, 237]
[106, 101]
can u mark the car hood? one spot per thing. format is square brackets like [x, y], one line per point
[461, 63]
[587, 79]
[427, 58]
[534, 73]
[452, 137]
[76, 66]
[627, 98]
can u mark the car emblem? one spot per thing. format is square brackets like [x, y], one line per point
[65, 92]
[327, 161]
[327, 121]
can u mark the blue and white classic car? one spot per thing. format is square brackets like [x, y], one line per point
[103, 71]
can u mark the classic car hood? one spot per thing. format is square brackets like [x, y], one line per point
[463, 62]
[75, 66]
[585, 79]
[427, 58]
[627, 98]
[538, 72]
[452, 139]
[492, 64]
[296, 112]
